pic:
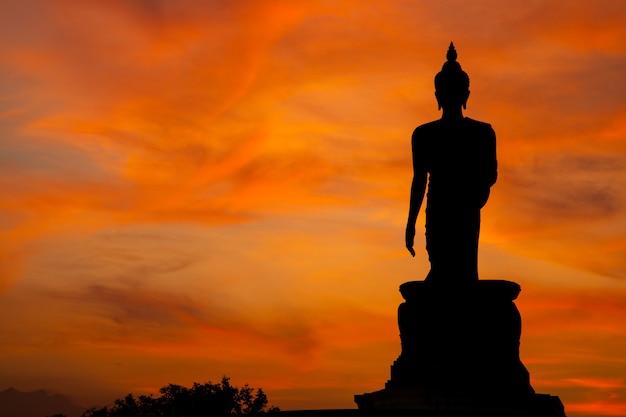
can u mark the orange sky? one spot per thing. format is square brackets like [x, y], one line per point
[194, 188]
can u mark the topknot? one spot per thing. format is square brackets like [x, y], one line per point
[451, 55]
[451, 77]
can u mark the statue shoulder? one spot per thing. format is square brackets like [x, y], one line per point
[425, 130]
[478, 125]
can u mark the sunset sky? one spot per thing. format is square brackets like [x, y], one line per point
[194, 188]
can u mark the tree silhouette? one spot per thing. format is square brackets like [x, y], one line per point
[201, 400]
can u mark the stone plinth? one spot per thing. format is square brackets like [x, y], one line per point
[460, 352]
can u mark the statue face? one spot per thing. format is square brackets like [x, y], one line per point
[450, 99]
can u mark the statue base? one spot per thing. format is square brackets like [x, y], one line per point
[460, 354]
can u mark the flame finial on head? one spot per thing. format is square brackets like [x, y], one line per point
[451, 55]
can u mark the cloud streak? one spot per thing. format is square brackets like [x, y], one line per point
[224, 186]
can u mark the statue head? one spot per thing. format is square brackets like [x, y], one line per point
[451, 83]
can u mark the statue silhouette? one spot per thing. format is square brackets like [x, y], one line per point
[457, 155]
[460, 336]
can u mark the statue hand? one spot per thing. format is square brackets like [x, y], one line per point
[410, 238]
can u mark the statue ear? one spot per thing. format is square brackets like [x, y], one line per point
[465, 101]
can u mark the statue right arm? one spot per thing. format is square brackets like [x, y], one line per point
[418, 188]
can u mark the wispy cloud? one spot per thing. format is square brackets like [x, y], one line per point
[225, 184]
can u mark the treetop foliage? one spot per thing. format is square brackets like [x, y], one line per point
[201, 400]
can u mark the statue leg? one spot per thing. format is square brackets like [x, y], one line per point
[452, 244]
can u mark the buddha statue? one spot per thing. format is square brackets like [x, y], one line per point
[455, 158]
